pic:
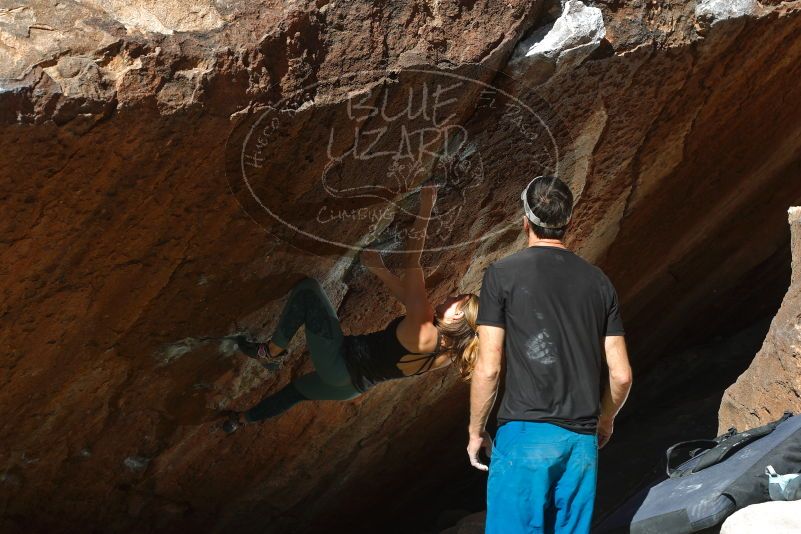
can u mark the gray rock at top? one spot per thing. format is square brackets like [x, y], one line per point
[715, 10]
[563, 44]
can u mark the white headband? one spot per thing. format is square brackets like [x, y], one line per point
[530, 214]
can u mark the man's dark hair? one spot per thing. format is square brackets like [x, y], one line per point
[552, 202]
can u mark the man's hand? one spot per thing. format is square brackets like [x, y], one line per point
[605, 429]
[477, 441]
[483, 389]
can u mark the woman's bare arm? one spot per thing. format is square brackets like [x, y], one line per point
[417, 234]
[409, 288]
[415, 298]
[375, 264]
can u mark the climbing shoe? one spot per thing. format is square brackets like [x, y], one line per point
[261, 352]
[232, 421]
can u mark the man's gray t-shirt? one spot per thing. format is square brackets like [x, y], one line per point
[556, 309]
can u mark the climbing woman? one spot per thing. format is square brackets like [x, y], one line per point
[424, 339]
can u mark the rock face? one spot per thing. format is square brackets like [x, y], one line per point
[772, 384]
[576, 33]
[778, 517]
[169, 172]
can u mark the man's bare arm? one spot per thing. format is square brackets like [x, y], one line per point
[484, 389]
[620, 379]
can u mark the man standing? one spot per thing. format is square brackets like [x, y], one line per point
[556, 318]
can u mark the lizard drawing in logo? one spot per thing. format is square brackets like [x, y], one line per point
[395, 175]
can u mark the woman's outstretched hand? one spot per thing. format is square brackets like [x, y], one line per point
[372, 259]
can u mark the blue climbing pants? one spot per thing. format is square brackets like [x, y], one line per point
[541, 479]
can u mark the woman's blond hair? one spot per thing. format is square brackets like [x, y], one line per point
[461, 338]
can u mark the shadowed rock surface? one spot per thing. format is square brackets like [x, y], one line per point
[129, 234]
[772, 383]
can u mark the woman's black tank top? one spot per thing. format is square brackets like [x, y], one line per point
[372, 358]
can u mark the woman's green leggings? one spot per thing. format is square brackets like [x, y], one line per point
[309, 305]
